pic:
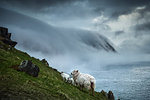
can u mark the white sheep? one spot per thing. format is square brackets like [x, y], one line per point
[65, 76]
[71, 81]
[84, 80]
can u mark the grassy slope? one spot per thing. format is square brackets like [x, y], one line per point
[48, 85]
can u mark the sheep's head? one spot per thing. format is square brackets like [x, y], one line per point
[75, 72]
[61, 72]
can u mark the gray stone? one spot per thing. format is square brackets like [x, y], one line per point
[104, 93]
[3, 31]
[110, 95]
[44, 61]
[28, 67]
[9, 42]
[6, 37]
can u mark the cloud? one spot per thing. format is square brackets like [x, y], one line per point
[115, 8]
[72, 9]
[72, 13]
[145, 26]
[65, 8]
[76, 14]
[129, 32]
[33, 5]
[63, 46]
[118, 33]
[38, 22]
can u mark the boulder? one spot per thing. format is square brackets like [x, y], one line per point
[4, 33]
[110, 95]
[9, 42]
[44, 61]
[28, 67]
[104, 93]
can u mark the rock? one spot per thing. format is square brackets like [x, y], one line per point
[104, 93]
[110, 95]
[28, 67]
[44, 61]
[4, 32]
[55, 69]
[15, 67]
[6, 37]
[9, 42]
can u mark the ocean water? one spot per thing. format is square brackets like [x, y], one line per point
[127, 82]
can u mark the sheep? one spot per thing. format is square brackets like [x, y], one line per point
[84, 80]
[71, 81]
[65, 76]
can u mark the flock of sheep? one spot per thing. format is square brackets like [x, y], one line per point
[80, 79]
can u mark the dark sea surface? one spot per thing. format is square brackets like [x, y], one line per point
[126, 81]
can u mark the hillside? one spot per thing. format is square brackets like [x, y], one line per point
[48, 85]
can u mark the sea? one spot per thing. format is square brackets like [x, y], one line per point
[126, 81]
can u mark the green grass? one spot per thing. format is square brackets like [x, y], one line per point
[48, 85]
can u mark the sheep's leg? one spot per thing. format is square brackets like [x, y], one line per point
[92, 88]
[82, 87]
[75, 83]
[92, 91]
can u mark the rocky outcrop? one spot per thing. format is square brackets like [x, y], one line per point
[5, 37]
[104, 93]
[109, 95]
[28, 67]
[44, 61]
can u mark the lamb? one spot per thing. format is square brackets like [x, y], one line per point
[71, 81]
[84, 80]
[65, 76]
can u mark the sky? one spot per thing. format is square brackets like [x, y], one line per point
[50, 24]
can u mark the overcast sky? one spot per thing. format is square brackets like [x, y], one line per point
[126, 23]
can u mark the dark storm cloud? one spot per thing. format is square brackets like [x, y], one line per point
[112, 8]
[143, 27]
[143, 24]
[53, 9]
[119, 33]
[34, 5]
